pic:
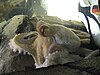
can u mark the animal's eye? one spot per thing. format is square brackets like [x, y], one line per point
[29, 36]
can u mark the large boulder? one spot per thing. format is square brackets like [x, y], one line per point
[10, 61]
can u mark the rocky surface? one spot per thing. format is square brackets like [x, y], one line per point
[10, 8]
[84, 67]
[19, 64]
[9, 61]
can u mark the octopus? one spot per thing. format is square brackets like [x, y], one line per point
[50, 44]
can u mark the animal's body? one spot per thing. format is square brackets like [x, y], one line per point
[49, 45]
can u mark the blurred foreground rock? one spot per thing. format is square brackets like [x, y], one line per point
[19, 64]
[10, 8]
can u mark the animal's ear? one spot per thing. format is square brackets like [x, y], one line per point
[42, 28]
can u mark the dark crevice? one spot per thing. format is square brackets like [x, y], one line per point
[26, 26]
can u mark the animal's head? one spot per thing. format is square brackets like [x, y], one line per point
[45, 29]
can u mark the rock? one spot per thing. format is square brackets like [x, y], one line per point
[10, 8]
[17, 24]
[54, 70]
[85, 67]
[10, 61]
[4, 9]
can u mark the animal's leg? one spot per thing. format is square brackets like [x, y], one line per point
[87, 53]
[40, 57]
[23, 44]
[58, 54]
[92, 54]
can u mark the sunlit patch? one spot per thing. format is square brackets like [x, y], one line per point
[64, 9]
